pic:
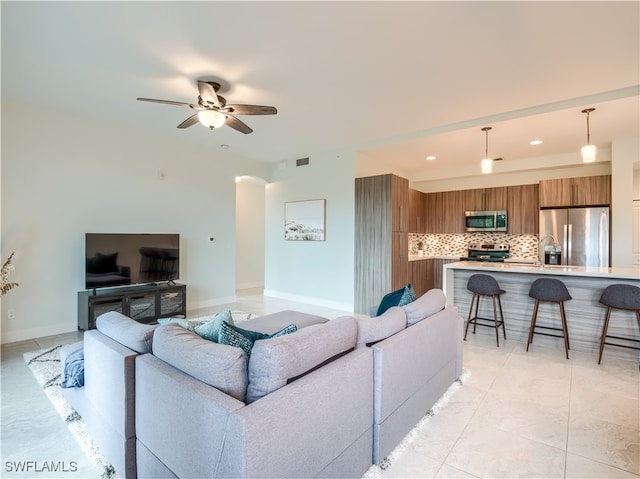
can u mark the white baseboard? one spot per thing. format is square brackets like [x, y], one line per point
[211, 302]
[346, 307]
[33, 333]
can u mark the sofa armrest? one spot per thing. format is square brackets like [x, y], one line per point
[410, 358]
[109, 380]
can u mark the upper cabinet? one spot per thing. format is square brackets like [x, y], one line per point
[584, 191]
[522, 209]
[445, 212]
[399, 203]
[484, 199]
[417, 212]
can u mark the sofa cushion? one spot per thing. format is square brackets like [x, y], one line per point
[399, 297]
[244, 339]
[218, 365]
[278, 360]
[372, 330]
[270, 323]
[128, 332]
[426, 305]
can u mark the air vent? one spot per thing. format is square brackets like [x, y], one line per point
[302, 162]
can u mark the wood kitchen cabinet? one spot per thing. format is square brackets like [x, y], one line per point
[445, 212]
[583, 191]
[381, 238]
[417, 212]
[421, 275]
[438, 263]
[485, 199]
[523, 209]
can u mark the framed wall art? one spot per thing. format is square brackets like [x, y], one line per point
[305, 220]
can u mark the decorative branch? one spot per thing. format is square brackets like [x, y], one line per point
[7, 285]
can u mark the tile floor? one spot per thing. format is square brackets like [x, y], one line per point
[517, 414]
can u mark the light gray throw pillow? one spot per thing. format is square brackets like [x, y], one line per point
[372, 330]
[274, 361]
[426, 305]
[128, 332]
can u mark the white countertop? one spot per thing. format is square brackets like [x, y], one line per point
[415, 257]
[622, 273]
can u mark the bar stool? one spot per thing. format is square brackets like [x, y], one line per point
[552, 291]
[622, 297]
[485, 285]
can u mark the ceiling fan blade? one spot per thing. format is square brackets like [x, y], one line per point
[236, 124]
[207, 93]
[192, 120]
[169, 102]
[251, 109]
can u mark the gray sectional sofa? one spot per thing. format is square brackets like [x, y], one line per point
[329, 400]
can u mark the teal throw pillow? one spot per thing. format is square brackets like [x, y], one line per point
[399, 297]
[211, 329]
[244, 339]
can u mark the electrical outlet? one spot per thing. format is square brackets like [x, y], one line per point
[11, 314]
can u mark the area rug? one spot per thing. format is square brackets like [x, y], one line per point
[45, 366]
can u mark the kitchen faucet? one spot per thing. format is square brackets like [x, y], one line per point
[543, 241]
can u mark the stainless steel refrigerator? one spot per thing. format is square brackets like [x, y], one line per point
[581, 233]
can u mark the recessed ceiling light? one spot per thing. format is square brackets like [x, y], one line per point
[535, 142]
[430, 158]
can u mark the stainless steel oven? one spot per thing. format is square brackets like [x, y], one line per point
[495, 220]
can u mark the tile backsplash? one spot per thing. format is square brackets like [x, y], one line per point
[521, 246]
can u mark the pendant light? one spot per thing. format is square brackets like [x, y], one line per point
[487, 163]
[588, 150]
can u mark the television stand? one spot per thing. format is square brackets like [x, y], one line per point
[144, 303]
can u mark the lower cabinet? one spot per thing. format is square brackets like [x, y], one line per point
[421, 275]
[145, 303]
[438, 263]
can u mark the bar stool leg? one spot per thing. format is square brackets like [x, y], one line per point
[469, 317]
[504, 332]
[495, 320]
[475, 321]
[533, 323]
[604, 332]
[565, 330]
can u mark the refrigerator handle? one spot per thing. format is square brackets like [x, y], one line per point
[569, 243]
[565, 246]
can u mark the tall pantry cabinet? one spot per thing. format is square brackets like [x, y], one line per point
[381, 238]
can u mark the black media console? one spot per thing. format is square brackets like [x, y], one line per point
[144, 303]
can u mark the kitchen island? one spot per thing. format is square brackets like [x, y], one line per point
[585, 314]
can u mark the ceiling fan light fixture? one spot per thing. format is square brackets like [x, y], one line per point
[211, 118]
[588, 151]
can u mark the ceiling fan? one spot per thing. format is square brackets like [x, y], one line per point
[213, 111]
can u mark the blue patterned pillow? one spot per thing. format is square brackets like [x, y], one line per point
[244, 339]
[211, 329]
[399, 297]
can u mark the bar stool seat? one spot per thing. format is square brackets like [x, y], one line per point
[485, 285]
[625, 297]
[553, 291]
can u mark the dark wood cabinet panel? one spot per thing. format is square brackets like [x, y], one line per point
[399, 203]
[582, 191]
[523, 209]
[421, 276]
[399, 260]
[417, 212]
[438, 263]
[452, 212]
[483, 199]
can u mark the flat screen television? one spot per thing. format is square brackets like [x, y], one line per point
[117, 259]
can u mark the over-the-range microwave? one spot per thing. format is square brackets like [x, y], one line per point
[495, 220]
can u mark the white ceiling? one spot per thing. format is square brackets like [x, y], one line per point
[394, 80]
